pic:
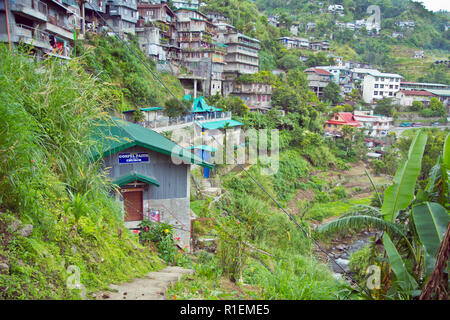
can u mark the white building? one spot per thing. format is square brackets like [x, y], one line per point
[374, 126]
[378, 85]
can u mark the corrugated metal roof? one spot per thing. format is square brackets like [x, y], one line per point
[200, 105]
[134, 176]
[117, 135]
[438, 92]
[221, 124]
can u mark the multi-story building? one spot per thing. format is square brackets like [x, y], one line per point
[157, 31]
[242, 51]
[318, 79]
[122, 15]
[201, 54]
[378, 85]
[186, 4]
[373, 125]
[319, 45]
[341, 76]
[335, 124]
[47, 25]
[422, 86]
[256, 96]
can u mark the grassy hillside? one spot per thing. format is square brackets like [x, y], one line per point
[132, 84]
[56, 217]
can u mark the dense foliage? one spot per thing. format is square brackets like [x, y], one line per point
[47, 180]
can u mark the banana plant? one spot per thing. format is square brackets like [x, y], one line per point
[426, 213]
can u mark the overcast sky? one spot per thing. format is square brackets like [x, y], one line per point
[436, 5]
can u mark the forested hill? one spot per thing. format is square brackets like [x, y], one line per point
[394, 41]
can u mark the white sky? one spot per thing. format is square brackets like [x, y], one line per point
[435, 5]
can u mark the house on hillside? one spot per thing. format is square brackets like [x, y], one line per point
[151, 114]
[405, 98]
[152, 174]
[374, 125]
[335, 124]
[318, 79]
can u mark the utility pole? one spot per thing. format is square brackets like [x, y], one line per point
[7, 24]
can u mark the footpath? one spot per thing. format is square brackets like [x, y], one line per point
[152, 287]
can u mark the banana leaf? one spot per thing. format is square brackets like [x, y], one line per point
[400, 194]
[405, 280]
[431, 220]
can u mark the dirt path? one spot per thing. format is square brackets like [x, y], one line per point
[152, 287]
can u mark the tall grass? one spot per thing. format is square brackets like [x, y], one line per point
[47, 178]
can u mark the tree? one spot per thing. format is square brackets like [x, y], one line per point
[173, 108]
[416, 106]
[384, 107]
[332, 93]
[413, 224]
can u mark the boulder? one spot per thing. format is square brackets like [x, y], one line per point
[26, 231]
[4, 268]
[15, 225]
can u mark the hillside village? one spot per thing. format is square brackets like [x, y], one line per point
[350, 115]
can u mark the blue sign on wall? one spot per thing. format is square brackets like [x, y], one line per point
[125, 158]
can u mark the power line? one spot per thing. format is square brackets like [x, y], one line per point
[243, 169]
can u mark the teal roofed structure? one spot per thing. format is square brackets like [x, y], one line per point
[117, 135]
[200, 105]
[221, 124]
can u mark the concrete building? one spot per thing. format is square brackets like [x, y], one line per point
[256, 96]
[201, 54]
[341, 76]
[122, 15]
[152, 173]
[422, 86]
[242, 51]
[373, 125]
[157, 32]
[405, 98]
[187, 4]
[378, 85]
[335, 124]
[318, 79]
[47, 25]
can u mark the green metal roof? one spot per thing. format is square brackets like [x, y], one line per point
[200, 105]
[134, 176]
[117, 135]
[221, 124]
[145, 109]
[440, 92]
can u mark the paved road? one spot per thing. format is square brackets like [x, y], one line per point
[401, 129]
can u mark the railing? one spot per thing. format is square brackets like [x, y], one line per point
[168, 121]
[24, 31]
[58, 22]
[30, 33]
[33, 4]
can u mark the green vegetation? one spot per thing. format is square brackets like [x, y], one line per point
[413, 222]
[48, 181]
[132, 85]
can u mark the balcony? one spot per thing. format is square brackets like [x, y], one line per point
[58, 27]
[31, 8]
[29, 35]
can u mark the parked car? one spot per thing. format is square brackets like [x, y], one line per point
[405, 124]
[417, 124]
[435, 124]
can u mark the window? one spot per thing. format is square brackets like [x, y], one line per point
[375, 93]
[390, 93]
[381, 86]
[376, 85]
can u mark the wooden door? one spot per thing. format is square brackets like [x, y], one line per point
[133, 205]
